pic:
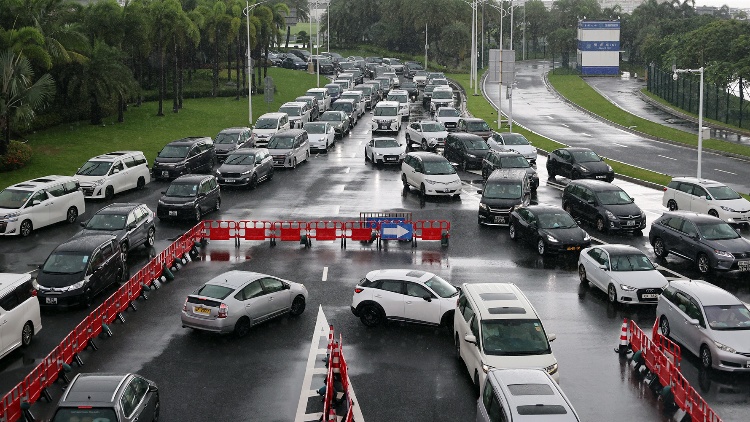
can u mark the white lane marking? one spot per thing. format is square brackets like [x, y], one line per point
[321, 331]
[586, 134]
[550, 117]
[564, 124]
[359, 143]
[668, 158]
[624, 146]
[346, 170]
[325, 274]
[336, 209]
[724, 171]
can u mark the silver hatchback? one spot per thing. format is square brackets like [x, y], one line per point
[237, 300]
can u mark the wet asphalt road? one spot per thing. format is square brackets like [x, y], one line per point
[399, 372]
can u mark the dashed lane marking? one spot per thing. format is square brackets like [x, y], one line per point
[563, 124]
[325, 274]
[668, 158]
[586, 134]
[615, 143]
[724, 171]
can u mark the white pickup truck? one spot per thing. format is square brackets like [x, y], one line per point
[429, 134]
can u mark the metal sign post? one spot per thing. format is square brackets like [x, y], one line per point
[268, 90]
[494, 75]
[508, 78]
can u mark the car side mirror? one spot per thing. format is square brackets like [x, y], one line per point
[287, 287]
[603, 267]
[469, 338]
[36, 202]
[591, 202]
[427, 298]
[201, 194]
[115, 171]
[131, 226]
[693, 321]
[695, 236]
[480, 192]
[83, 224]
[551, 337]
[152, 389]
[163, 192]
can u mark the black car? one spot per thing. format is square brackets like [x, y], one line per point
[503, 191]
[323, 64]
[231, 139]
[246, 167]
[509, 160]
[603, 204]
[108, 397]
[293, 62]
[79, 269]
[578, 163]
[412, 68]
[339, 120]
[132, 224]
[411, 88]
[184, 156]
[550, 229]
[708, 241]
[303, 55]
[189, 198]
[466, 149]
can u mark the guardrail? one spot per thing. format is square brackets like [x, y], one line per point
[337, 383]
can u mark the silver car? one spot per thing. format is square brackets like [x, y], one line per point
[707, 320]
[237, 300]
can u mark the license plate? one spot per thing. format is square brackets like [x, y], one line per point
[164, 174]
[446, 190]
[201, 310]
[384, 126]
[390, 159]
[51, 300]
[630, 223]
[601, 176]
[650, 296]
[173, 213]
[744, 265]
[499, 219]
[573, 248]
[229, 180]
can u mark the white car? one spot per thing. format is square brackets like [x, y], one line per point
[420, 78]
[442, 96]
[431, 173]
[321, 135]
[706, 197]
[623, 272]
[402, 98]
[267, 125]
[386, 117]
[429, 134]
[298, 113]
[108, 174]
[507, 141]
[395, 81]
[19, 312]
[359, 100]
[384, 151]
[404, 295]
[324, 99]
[449, 117]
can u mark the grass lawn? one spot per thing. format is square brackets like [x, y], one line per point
[62, 149]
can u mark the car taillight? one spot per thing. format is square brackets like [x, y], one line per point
[34, 292]
[184, 307]
[665, 188]
[223, 310]
[359, 290]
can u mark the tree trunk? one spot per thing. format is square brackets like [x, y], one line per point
[96, 112]
[288, 35]
[6, 134]
[229, 62]
[181, 81]
[237, 66]
[120, 108]
[215, 82]
[175, 88]
[162, 81]
[139, 100]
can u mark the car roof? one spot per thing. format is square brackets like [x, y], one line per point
[574, 149]
[289, 133]
[234, 278]
[294, 104]
[421, 122]
[10, 280]
[519, 385]
[93, 388]
[398, 91]
[41, 182]
[427, 156]
[115, 155]
[595, 185]
[443, 88]
[249, 151]
[499, 301]
[418, 276]
[317, 89]
[234, 129]
[84, 243]
[381, 138]
[118, 208]
[387, 104]
[692, 216]
[191, 178]
[504, 153]
[190, 140]
[706, 293]
[465, 136]
[272, 115]
[618, 249]
[702, 182]
[472, 119]
[507, 174]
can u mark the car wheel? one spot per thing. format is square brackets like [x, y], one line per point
[294, 163]
[512, 232]
[151, 237]
[298, 306]
[371, 316]
[706, 359]
[157, 406]
[664, 325]
[141, 183]
[550, 174]
[27, 333]
[601, 227]
[366, 157]
[197, 214]
[254, 181]
[109, 193]
[242, 327]
[612, 294]
[26, 228]
[541, 246]
[217, 204]
[713, 213]
[582, 274]
[72, 215]
[422, 191]
[659, 249]
[672, 205]
[704, 265]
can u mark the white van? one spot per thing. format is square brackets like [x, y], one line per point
[404, 103]
[324, 99]
[386, 117]
[39, 202]
[267, 125]
[298, 112]
[20, 319]
[105, 175]
[495, 326]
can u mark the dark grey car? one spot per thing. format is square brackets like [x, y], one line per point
[603, 204]
[551, 229]
[184, 156]
[246, 167]
[132, 224]
[232, 139]
[509, 160]
[189, 198]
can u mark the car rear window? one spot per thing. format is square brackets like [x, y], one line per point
[214, 291]
[98, 414]
[541, 409]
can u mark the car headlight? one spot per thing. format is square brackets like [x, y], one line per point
[627, 288]
[12, 216]
[162, 202]
[583, 169]
[610, 215]
[486, 368]
[586, 237]
[34, 284]
[377, 154]
[289, 153]
[78, 285]
[471, 156]
[432, 182]
[432, 141]
[552, 239]
[552, 369]
[246, 172]
[99, 182]
[723, 254]
[482, 206]
[609, 168]
[218, 173]
[724, 347]
[727, 209]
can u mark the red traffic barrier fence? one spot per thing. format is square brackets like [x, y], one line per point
[54, 365]
[337, 373]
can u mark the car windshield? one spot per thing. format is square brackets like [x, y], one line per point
[342, 106]
[433, 127]
[441, 287]
[386, 111]
[503, 191]
[109, 222]
[556, 220]
[213, 291]
[331, 117]
[723, 193]
[477, 126]
[66, 263]
[317, 95]
[281, 142]
[448, 112]
[421, 73]
[290, 110]
[514, 337]
[401, 98]
[315, 128]
[728, 317]
[95, 168]
[630, 262]
[385, 143]
[267, 123]
[515, 139]
[75, 414]
[442, 94]
[333, 89]
[227, 138]
[515, 162]
[174, 151]
[410, 85]
[182, 190]
[395, 62]
[475, 144]
[614, 197]
[438, 167]
[14, 199]
[240, 159]
[717, 231]
[585, 156]
[429, 88]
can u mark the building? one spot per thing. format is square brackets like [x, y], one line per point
[599, 47]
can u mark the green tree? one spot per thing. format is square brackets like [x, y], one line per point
[455, 40]
[217, 27]
[537, 17]
[26, 41]
[164, 14]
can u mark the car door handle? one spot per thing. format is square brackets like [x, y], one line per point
[408, 302]
[378, 296]
[270, 298]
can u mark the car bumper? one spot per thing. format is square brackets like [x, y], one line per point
[493, 217]
[231, 181]
[607, 177]
[167, 173]
[215, 325]
[387, 159]
[627, 225]
[354, 311]
[93, 191]
[443, 190]
[60, 300]
[731, 362]
[385, 127]
[9, 228]
[177, 213]
[732, 264]
[282, 161]
[567, 247]
[646, 296]
[735, 217]
[323, 145]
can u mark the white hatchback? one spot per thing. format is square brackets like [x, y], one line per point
[707, 197]
[105, 175]
[431, 173]
[320, 135]
[507, 141]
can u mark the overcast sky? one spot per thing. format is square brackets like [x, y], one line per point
[718, 3]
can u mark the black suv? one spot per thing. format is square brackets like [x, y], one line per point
[578, 163]
[189, 197]
[79, 269]
[185, 156]
[603, 204]
[509, 160]
[231, 139]
[503, 192]
[466, 149]
[549, 228]
[707, 240]
[132, 225]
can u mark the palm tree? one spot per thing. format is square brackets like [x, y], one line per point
[164, 14]
[27, 41]
[218, 29]
[20, 97]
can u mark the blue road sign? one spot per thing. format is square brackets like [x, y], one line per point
[396, 231]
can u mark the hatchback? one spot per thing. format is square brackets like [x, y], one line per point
[467, 149]
[384, 151]
[431, 173]
[234, 301]
[549, 228]
[321, 135]
[246, 167]
[185, 156]
[578, 163]
[707, 197]
[603, 204]
[509, 160]
[131, 224]
[339, 120]
[189, 198]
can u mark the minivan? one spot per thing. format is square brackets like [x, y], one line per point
[289, 148]
[386, 117]
[404, 103]
[707, 197]
[105, 175]
[298, 113]
[503, 191]
[603, 204]
[267, 125]
[334, 90]
[324, 99]
[185, 156]
[189, 197]
[19, 311]
[366, 91]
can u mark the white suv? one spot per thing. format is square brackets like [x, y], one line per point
[105, 175]
[39, 202]
[386, 117]
[431, 173]
[404, 103]
[707, 197]
[495, 326]
[19, 312]
[404, 295]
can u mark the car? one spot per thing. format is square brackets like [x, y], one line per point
[578, 163]
[509, 160]
[507, 141]
[293, 62]
[427, 95]
[359, 101]
[339, 120]
[404, 295]
[350, 107]
[321, 95]
[474, 125]
[707, 240]
[429, 134]
[411, 88]
[374, 59]
[707, 197]
[105, 175]
[412, 68]
[334, 90]
[708, 321]
[384, 151]
[301, 54]
[344, 84]
[550, 229]
[608, 207]
[503, 191]
[289, 148]
[323, 65]
[246, 167]
[449, 117]
[298, 113]
[359, 75]
[231, 139]
[386, 117]
[404, 103]
[420, 78]
[19, 311]
[442, 96]
[185, 156]
[395, 65]
[386, 84]
[466, 149]
[189, 197]
[431, 76]
[376, 94]
[267, 125]
[312, 106]
[367, 94]
[79, 269]
[40, 202]
[369, 70]
[395, 80]
[235, 301]
[431, 173]
[321, 135]
[623, 272]
[350, 76]
[108, 397]
[335, 57]
[132, 224]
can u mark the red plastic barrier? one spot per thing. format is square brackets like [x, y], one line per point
[358, 231]
[254, 230]
[431, 229]
[665, 370]
[288, 230]
[637, 336]
[219, 229]
[12, 403]
[33, 384]
[680, 389]
[325, 230]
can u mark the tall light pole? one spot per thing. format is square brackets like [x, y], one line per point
[328, 27]
[317, 43]
[675, 76]
[425, 46]
[247, 11]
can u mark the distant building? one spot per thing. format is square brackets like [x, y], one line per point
[599, 47]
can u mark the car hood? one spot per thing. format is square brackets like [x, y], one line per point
[83, 179]
[165, 160]
[317, 137]
[480, 153]
[443, 178]
[740, 204]
[737, 245]
[738, 340]
[574, 234]
[279, 151]
[595, 166]
[501, 203]
[439, 135]
[235, 168]
[521, 149]
[225, 147]
[624, 209]
[388, 151]
[639, 279]
[120, 234]
[264, 133]
[177, 200]
[58, 280]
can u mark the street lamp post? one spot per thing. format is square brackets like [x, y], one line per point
[247, 11]
[675, 76]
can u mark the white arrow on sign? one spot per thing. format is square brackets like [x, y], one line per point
[398, 231]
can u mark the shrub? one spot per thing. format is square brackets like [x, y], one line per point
[19, 154]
